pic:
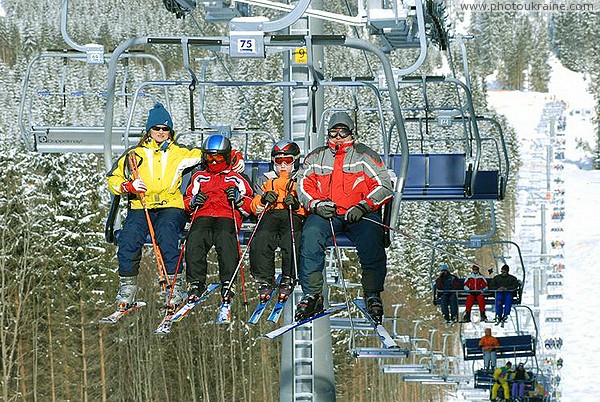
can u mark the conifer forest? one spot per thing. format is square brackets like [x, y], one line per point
[58, 274]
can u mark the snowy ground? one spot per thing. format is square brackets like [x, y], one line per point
[581, 227]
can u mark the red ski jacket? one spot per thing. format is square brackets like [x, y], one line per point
[475, 282]
[347, 175]
[214, 185]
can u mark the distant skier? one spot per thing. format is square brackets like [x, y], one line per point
[447, 285]
[502, 375]
[275, 229]
[488, 344]
[475, 284]
[520, 379]
[505, 285]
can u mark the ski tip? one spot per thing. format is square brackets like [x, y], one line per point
[223, 322]
[267, 336]
[105, 320]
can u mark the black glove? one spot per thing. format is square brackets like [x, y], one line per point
[198, 200]
[357, 211]
[291, 201]
[325, 209]
[233, 195]
[270, 197]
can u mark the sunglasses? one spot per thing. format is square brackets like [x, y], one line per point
[161, 128]
[288, 160]
[339, 132]
[215, 158]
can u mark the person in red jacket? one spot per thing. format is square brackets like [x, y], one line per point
[475, 284]
[340, 183]
[215, 197]
[275, 228]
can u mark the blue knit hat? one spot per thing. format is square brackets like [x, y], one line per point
[443, 267]
[158, 116]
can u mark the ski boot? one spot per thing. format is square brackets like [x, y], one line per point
[264, 290]
[467, 317]
[227, 292]
[286, 287]
[196, 290]
[308, 306]
[127, 289]
[374, 306]
[174, 295]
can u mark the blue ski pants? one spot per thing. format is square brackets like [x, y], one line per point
[449, 304]
[368, 238]
[503, 302]
[168, 224]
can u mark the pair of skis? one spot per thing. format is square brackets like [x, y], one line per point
[386, 340]
[165, 325]
[118, 314]
[295, 324]
[262, 306]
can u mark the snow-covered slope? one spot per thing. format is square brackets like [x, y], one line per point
[579, 308]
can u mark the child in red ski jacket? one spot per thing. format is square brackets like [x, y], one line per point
[217, 197]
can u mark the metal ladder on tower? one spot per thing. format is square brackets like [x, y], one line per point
[303, 375]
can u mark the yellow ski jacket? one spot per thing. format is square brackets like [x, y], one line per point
[161, 169]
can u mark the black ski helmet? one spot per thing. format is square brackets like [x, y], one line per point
[287, 147]
[217, 144]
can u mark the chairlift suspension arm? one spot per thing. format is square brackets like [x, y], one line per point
[63, 86]
[162, 270]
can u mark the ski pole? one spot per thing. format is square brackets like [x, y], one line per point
[289, 188]
[426, 243]
[293, 242]
[237, 239]
[227, 289]
[339, 258]
[162, 270]
[172, 287]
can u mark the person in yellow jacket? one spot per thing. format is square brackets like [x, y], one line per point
[501, 376]
[282, 213]
[161, 163]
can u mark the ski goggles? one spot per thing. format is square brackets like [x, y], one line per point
[215, 158]
[279, 159]
[160, 128]
[339, 132]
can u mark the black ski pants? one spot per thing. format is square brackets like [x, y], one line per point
[206, 232]
[275, 231]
